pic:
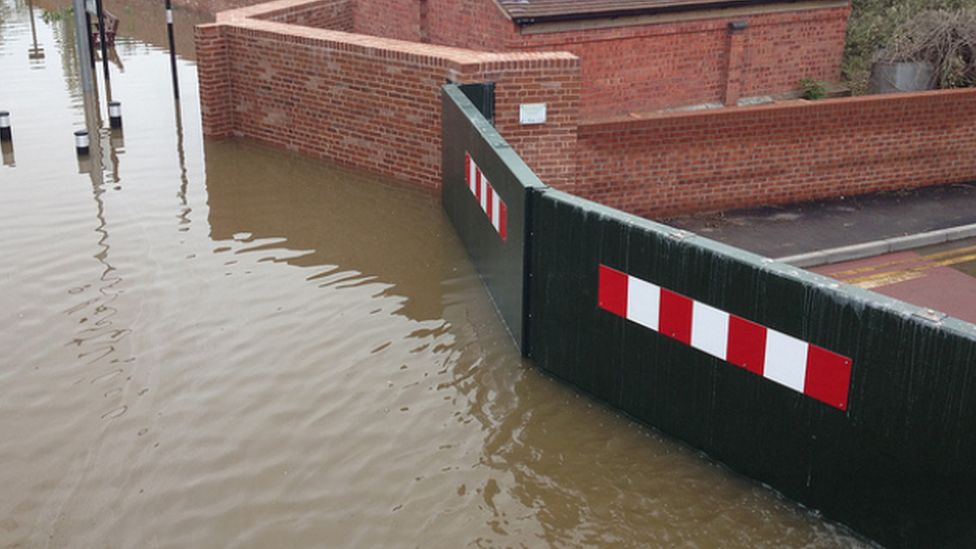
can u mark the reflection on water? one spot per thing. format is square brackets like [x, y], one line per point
[210, 344]
[342, 226]
[144, 20]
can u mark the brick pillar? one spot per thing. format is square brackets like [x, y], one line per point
[549, 148]
[736, 55]
[213, 74]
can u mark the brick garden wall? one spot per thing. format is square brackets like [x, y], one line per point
[679, 163]
[370, 102]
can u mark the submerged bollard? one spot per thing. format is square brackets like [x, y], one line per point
[7, 151]
[5, 134]
[82, 142]
[84, 165]
[115, 114]
[117, 141]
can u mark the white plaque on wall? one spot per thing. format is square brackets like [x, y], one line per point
[532, 113]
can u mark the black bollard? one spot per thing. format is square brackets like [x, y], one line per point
[5, 134]
[115, 114]
[82, 142]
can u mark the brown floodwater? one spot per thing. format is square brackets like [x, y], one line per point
[211, 344]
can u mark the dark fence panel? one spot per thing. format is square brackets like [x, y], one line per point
[485, 190]
[843, 399]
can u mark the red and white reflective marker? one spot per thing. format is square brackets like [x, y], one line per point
[492, 204]
[801, 366]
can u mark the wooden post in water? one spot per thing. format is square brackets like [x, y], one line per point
[172, 48]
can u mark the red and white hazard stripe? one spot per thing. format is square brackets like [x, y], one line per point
[492, 204]
[791, 362]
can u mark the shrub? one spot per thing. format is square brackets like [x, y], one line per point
[872, 26]
[946, 40]
[812, 89]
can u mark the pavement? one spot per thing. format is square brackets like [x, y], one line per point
[916, 245]
[782, 231]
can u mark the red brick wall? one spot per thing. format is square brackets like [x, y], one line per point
[550, 148]
[473, 24]
[214, 81]
[679, 163]
[650, 67]
[320, 14]
[398, 19]
[372, 102]
[657, 64]
[783, 48]
[646, 67]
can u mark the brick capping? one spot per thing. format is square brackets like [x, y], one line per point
[389, 48]
[913, 99]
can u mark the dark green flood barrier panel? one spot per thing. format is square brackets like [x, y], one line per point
[855, 404]
[842, 399]
[485, 191]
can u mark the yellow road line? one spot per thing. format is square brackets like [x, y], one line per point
[913, 259]
[888, 280]
[875, 280]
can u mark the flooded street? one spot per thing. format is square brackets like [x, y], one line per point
[210, 344]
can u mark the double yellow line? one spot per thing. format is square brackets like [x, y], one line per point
[891, 273]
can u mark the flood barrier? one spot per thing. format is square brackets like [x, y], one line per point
[488, 204]
[861, 406]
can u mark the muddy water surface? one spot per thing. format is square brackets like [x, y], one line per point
[213, 344]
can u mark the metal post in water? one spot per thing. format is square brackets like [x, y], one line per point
[101, 37]
[115, 115]
[5, 133]
[90, 161]
[172, 47]
[82, 142]
[81, 46]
